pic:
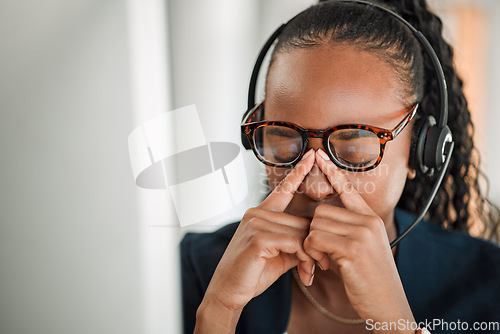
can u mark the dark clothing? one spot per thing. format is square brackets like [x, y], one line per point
[447, 276]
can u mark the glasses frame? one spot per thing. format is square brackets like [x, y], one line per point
[250, 124]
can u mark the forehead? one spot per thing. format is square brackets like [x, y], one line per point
[325, 86]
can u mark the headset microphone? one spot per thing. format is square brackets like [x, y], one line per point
[434, 143]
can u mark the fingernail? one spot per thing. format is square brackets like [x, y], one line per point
[320, 266]
[323, 154]
[308, 154]
[313, 268]
[311, 280]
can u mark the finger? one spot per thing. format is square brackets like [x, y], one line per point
[305, 267]
[322, 258]
[288, 240]
[342, 221]
[305, 271]
[305, 276]
[337, 227]
[281, 196]
[340, 215]
[349, 196]
[279, 218]
[298, 229]
[258, 224]
[270, 245]
[325, 247]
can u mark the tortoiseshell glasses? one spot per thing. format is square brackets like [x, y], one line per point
[353, 147]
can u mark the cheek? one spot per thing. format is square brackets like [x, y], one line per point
[275, 175]
[382, 187]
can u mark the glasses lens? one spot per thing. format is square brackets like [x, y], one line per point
[354, 148]
[277, 144]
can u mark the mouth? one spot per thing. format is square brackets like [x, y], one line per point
[303, 206]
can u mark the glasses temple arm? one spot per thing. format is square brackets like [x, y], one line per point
[405, 121]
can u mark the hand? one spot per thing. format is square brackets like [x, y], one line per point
[267, 243]
[353, 242]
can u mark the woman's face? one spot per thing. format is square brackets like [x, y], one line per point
[321, 87]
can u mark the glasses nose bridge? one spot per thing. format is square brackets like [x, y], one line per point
[319, 134]
[316, 133]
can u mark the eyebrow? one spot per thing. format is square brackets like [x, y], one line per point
[278, 131]
[351, 134]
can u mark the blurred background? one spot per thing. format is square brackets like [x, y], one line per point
[82, 248]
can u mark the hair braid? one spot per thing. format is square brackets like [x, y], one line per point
[460, 204]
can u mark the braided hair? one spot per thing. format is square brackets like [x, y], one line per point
[460, 203]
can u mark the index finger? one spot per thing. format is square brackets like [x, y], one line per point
[281, 196]
[349, 196]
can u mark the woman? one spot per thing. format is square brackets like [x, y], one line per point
[314, 256]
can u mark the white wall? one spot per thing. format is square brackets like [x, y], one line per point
[69, 247]
[78, 249]
[213, 45]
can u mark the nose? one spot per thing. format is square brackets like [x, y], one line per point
[316, 185]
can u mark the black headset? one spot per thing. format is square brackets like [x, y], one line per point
[433, 142]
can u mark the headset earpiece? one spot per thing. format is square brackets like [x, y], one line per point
[428, 150]
[434, 152]
[421, 131]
